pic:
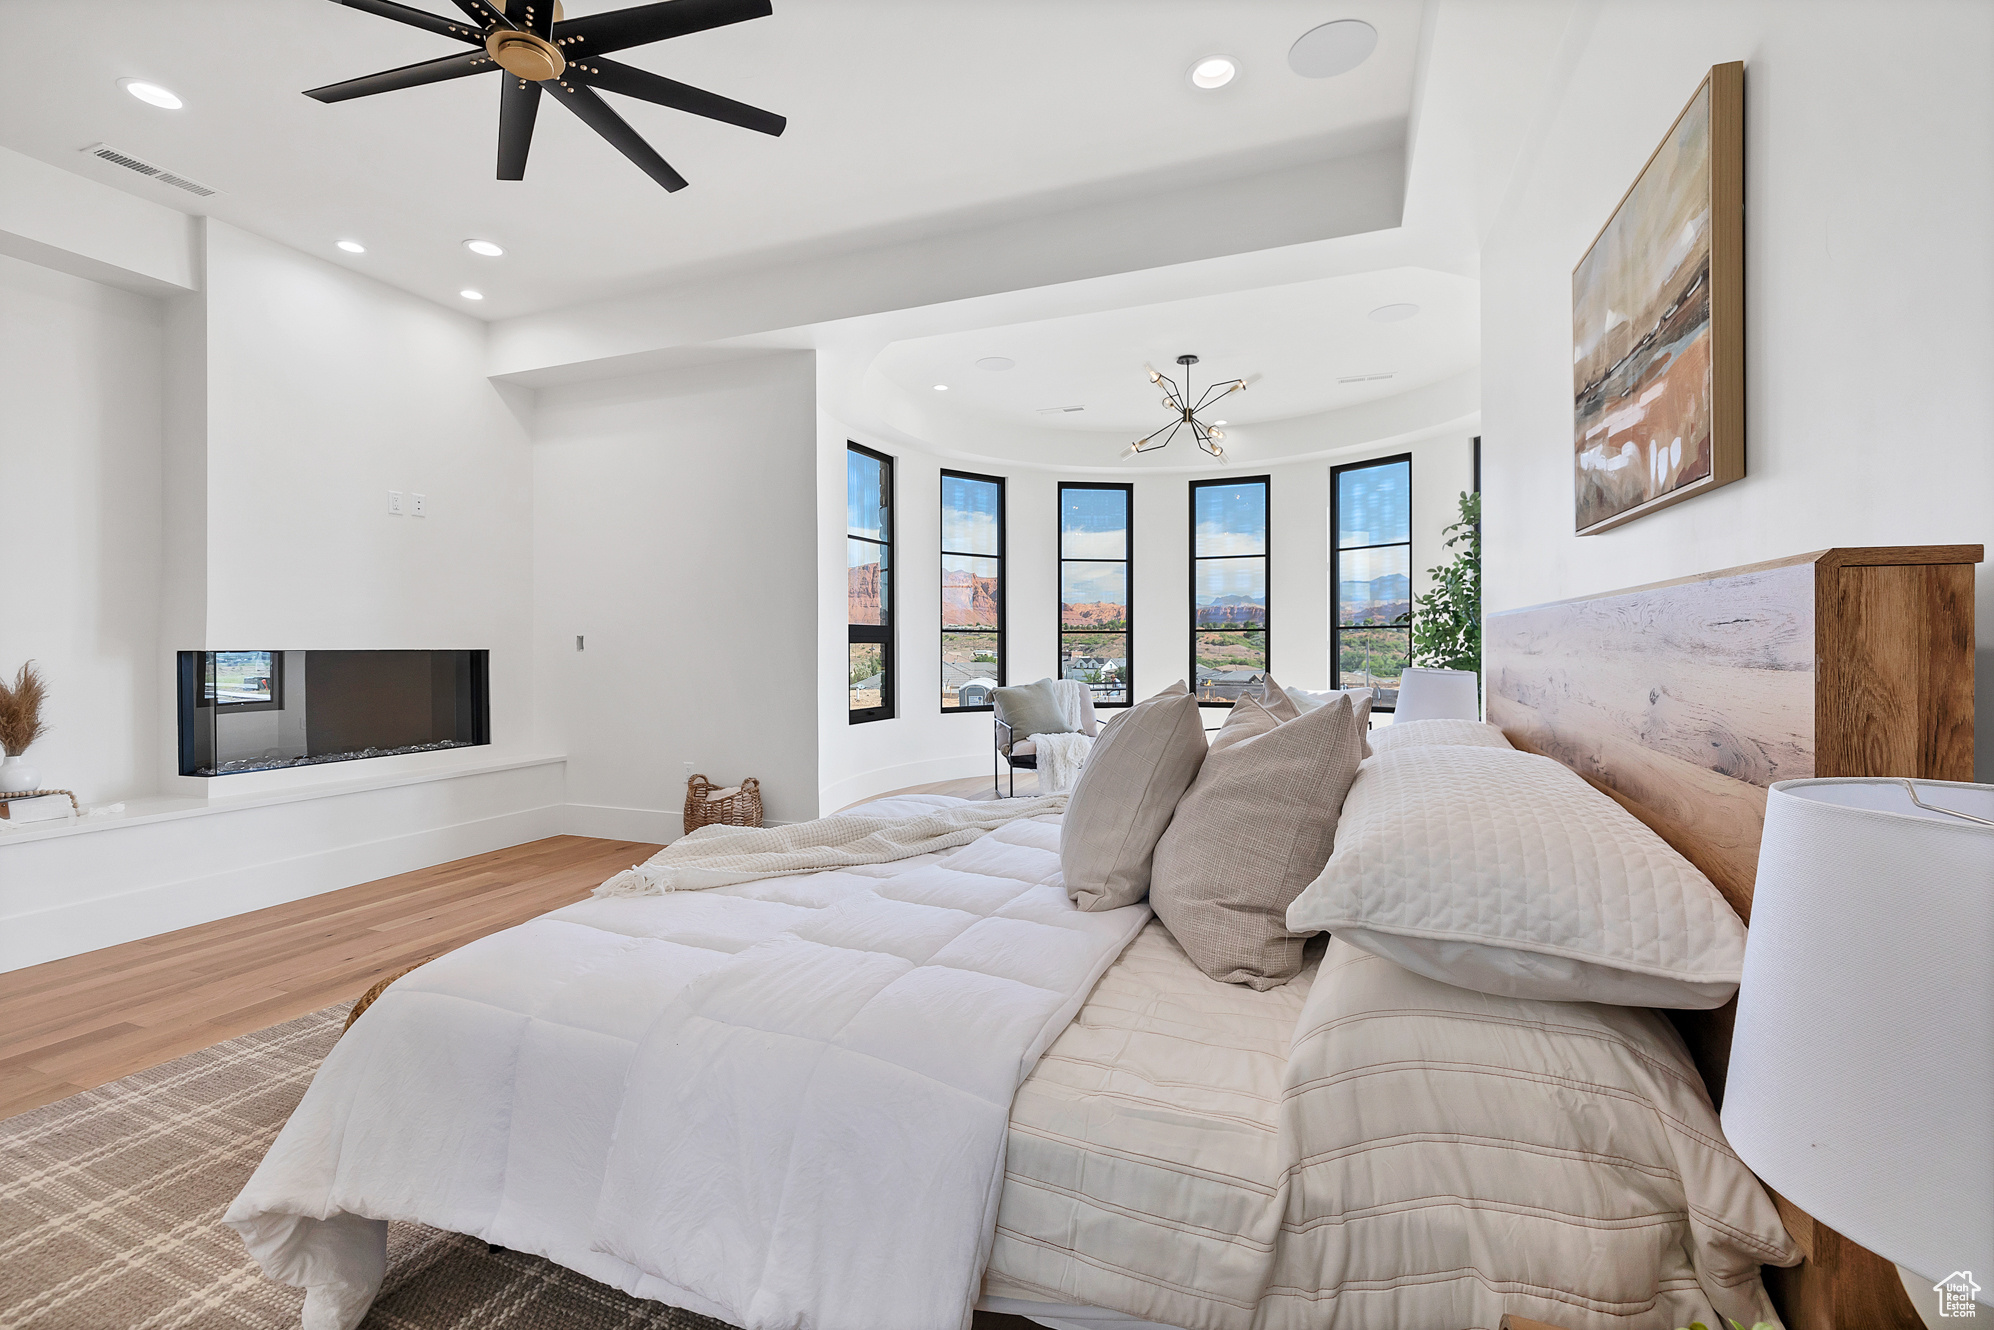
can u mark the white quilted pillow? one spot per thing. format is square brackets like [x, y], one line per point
[1505, 872]
[1428, 733]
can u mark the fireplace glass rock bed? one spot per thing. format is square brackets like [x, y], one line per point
[266, 710]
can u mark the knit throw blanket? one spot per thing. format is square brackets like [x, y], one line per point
[719, 856]
[1060, 758]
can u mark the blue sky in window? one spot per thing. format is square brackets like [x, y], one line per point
[1374, 505]
[1232, 519]
[969, 515]
[1083, 583]
[862, 486]
[1094, 524]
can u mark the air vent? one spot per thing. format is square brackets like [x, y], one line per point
[1365, 378]
[1060, 410]
[106, 153]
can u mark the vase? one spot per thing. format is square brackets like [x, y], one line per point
[16, 775]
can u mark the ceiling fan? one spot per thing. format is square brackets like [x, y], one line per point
[533, 46]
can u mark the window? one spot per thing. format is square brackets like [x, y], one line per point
[243, 681]
[1095, 626]
[1371, 569]
[972, 590]
[1229, 628]
[869, 581]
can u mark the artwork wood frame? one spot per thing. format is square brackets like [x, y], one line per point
[1658, 323]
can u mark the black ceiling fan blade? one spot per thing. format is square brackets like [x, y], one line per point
[534, 16]
[630, 81]
[519, 107]
[485, 14]
[599, 33]
[408, 76]
[416, 18]
[595, 113]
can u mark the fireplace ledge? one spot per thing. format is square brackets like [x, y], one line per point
[170, 807]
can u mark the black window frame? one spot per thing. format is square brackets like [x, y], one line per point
[1003, 584]
[208, 698]
[881, 633]
[1128, 584]
[1216, 482]
[1336, 550]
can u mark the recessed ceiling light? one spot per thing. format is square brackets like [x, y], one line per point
[488, 248]
[1214, 71]
[472, 295]
[941, 387]
[1332, 49]
[995, 363]
[1220, 422]
[353, 247]
[1393, 313]
[151, 94]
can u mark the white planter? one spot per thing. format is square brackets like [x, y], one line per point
[16, 775]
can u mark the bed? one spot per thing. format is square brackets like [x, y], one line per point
[1361, 1146]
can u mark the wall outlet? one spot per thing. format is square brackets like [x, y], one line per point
[395, 502]
[688, 771]
[419, 505]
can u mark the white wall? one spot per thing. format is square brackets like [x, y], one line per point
[921, 744]
[325, 390]
[80, 475]
[675, 532]
[1869, 243]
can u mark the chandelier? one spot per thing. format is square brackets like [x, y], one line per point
[1179, 401]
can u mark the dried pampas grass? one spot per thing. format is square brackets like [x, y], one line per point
[21, 710]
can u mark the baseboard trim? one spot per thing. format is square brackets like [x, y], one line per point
[73, 927]
[884, 780]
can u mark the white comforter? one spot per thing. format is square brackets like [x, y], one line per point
[781, 1103]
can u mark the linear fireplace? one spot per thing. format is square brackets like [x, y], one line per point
[265, 710]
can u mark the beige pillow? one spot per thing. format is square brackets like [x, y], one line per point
[1254, 828]
[1248, 720]
[1304, 700]
[1275, 698]
[1135, 774]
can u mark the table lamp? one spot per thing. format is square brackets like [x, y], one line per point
[1429, 694]
[1861, 1083]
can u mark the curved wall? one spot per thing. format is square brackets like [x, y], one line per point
[920, 744]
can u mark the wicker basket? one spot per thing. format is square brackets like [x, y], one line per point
[743, 808]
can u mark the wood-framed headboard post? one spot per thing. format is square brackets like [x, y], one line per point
[1684, 700]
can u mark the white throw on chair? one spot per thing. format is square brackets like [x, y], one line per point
[1017, 749]
[1429, 694]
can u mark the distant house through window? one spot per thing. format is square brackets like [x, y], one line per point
[1095, 624]
[1229, 611]
[1371, 571]
[869, 581]
[972, 589]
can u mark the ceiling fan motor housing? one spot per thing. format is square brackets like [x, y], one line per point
[525, 55]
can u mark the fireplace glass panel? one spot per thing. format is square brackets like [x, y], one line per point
[265, 710]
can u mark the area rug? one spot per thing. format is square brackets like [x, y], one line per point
[111, 1204]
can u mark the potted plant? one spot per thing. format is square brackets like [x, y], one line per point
[1447, 620]
[20, 725]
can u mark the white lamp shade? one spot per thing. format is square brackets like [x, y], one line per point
[1428, 694]
[1861, 1084]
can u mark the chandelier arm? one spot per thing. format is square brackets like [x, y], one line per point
[1170, 391]
[1213, 393]
[1138, 445]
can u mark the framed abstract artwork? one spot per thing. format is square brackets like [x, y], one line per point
[1658, 323]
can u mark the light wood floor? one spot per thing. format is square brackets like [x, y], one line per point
[76, 1023]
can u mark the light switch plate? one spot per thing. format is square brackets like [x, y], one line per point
[419, 505]
[395, 502]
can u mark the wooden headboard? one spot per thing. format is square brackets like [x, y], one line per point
[1685, 700]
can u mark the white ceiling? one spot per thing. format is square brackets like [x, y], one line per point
[904, 116]
[1293, 342]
